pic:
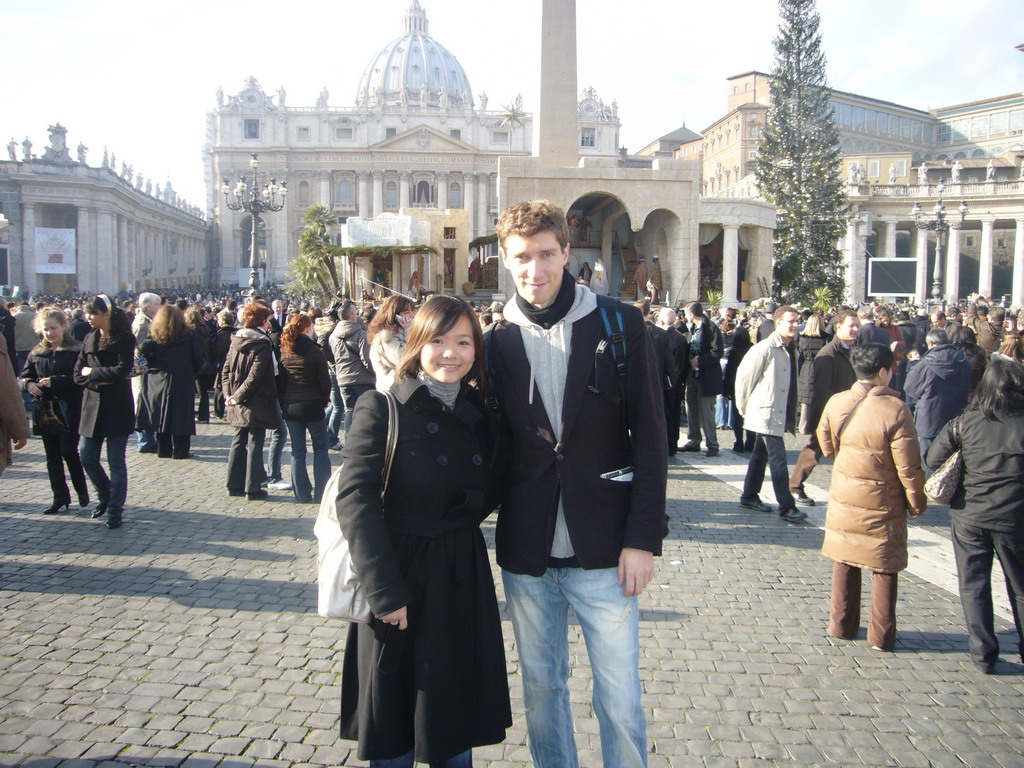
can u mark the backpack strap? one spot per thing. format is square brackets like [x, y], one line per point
[616, 339]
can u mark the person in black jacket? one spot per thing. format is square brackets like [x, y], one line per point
[219, 353]
[703, 379]
[679, 354]
[741, 344]
[990, 521]
[937, 386]
[104, 366]
[204, 379]
[50, 373]
[583, 504]
[425, 679]
[7, 323]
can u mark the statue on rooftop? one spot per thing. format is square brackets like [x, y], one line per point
[82, 150]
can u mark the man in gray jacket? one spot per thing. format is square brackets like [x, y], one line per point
[149, 304]
[352, 365]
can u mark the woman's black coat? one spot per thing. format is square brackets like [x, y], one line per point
[808, 348]
[167, 398]
[57, 364]
[440, 685]
[108, 408]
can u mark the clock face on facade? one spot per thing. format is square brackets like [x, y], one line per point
[588, 107]
[251, 98]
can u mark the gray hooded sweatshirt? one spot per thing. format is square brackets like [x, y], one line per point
[548, 354]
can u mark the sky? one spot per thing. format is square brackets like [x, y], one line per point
[139, 77]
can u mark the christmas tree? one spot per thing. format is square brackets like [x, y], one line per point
[798, 162]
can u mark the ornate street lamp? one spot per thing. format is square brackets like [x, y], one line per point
[254, 200]
[940, 226]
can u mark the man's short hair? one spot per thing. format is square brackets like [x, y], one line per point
[982, 310]
[938, 314]
[771, 306]
[841, 316]
[869, 359]
[531, 218]
[346, 309]
[867, 312]
[667, 316]
[997, 315]
[694, 308]
[936, 336]
[644, 306]
[148, 299]
[781, 312]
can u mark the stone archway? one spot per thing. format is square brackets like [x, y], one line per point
[659, 240]
[600, 231]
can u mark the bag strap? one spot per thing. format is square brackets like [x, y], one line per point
[617, 340]
[842, 428]
[392, 439]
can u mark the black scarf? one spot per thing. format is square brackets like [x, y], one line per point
[558, 309]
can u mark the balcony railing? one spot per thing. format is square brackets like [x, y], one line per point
[951, 190]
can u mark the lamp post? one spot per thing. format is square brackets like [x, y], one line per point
[254, 200]
[940, 226]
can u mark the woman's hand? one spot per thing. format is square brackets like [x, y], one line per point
[399, 618]
[231, 401]
[33, 389]
[86, 371]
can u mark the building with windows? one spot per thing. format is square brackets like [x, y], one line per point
[415, 137]
[75, 227]
[895, 157]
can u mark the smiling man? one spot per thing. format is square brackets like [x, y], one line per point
[583, 501]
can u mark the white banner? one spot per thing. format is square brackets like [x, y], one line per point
[55, 251]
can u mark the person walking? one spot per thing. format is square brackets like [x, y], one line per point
[174, 359]
[583, 500]
[831, 373]
[352, 364]
[425, 679]
[49, 374]
[306, 395]
[104, 365]
[877, 483]
[989, 522]
[703, 379]
[247, 381]
[766, 397]
[386, 335]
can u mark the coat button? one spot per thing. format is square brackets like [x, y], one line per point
[560, 456]
[442, 460]
[478, 459]
[432, 428]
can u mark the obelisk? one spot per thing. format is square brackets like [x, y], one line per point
[558, 143]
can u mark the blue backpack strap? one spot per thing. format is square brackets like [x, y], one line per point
[616, 339]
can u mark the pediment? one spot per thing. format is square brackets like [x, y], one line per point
[424, 138]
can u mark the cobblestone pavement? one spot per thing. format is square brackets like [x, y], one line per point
[189, 637]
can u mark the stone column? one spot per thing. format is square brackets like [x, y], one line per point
[28, 249]
[988, 225]
[403, 189]
[951, 284]
[377, 205]
[1018, 265]
[889, 247]
[469, 202]
[921, 254]
[363, 193]
[730, 263]
[483, 194]
[558, 117]
[124, 272]
[851, 252]
[442, 189]
[325, 188]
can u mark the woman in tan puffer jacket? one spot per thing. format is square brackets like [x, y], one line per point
[877, 483]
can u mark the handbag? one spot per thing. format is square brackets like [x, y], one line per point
[49, 416]
[340, 593]
[942, 486]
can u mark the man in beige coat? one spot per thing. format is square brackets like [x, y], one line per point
[877, 483]
[766, 397]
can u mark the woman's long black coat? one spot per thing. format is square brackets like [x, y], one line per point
[440, 685]
[58, 365]
[108, 408]
[167, 398]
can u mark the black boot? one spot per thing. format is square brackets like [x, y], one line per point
[100, 511]
[57, 505]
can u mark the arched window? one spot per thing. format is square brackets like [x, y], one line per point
[345, 192]
[978, 153]
[390, 195]
[454, 195]
[424, 194]
[304, 193]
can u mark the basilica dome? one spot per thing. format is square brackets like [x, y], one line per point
[415, 70]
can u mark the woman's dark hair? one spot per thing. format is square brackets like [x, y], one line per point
[168, 325]
[120, 325]
[436, 318]
[296, 326]
[869, 359]
[1001, 385]
[386, 318]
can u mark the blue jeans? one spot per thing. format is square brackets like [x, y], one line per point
[464, 760]
[770, 451]
[111, 490]
[539, 608]
[321, 459]
[335, 411]
[276, 449]
[349, 394]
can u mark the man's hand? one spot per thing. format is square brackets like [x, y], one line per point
[694, 363]
[19, 444]
[399, 618]
[636, 569]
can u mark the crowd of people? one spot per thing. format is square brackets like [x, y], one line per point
[561, 408]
